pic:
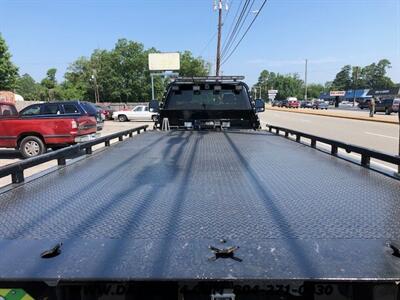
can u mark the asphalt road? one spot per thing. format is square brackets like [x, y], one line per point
[379, 136]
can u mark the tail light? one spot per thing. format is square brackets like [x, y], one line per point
[74, 124]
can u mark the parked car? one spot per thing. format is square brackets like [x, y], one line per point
[396, 105]
[384, 105]
[320, 104]
[277, 103]
[46, 125]
[306, 104]
[345, 103]
[364, 104]
[106, 110]
[92, 110]
[290, 102]
[138, 113]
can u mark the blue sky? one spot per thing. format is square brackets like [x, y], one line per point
[330, 33]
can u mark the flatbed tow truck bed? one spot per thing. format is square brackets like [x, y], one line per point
[150, 207]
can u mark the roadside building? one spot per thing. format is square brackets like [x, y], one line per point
[359, 95]
[326, 96]
[385, 93]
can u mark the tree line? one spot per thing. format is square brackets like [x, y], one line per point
[118, 75]
[121, 75]
[372, 76]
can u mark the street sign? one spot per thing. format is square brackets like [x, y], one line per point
[272, 94]
[337, 93]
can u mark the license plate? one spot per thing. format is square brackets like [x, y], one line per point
[86, 138]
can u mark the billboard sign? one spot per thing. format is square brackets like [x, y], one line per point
[164, 61]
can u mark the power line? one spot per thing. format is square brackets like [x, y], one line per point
[228, 4]
[247, 30]
[233, 21]
[237, 24]
[214, 35]
[239, 29]
[208, 44]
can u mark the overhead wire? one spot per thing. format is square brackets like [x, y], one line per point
[215, 34]
[245, 33]
[239, 28]
[236, 26]
[208, 44]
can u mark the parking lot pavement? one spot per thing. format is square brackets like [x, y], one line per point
[8, 156]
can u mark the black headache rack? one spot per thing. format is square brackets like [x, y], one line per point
[233, 110]
[202, 215]
[213, 79]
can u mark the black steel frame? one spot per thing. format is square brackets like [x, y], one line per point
[366, 154]
[16, 170]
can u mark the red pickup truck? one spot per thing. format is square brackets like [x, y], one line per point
[42, 126]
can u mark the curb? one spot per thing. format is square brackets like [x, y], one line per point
[333, 116]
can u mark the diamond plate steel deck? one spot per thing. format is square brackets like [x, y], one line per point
[149, 207]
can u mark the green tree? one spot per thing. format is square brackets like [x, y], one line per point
[374, 75]
[78, 80]
[49, 84]
[50, 81]
[264, 79]
[8, 71]
[342, 80]
[28, 88]
[328, 86]
[122, 74]
[314, 90]
[357, 81]
[193, 66]
[289, 85]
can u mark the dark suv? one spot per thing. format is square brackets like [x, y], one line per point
[62, 108]
[384, 105]
[210, 103]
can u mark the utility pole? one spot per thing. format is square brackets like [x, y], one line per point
[96, 87]
[152, 87]
[305, 81]
[354, 85]
[218, 60]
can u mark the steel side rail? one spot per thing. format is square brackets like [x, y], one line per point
[366, 154]
[16, 170]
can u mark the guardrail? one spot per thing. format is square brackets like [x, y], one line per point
[366, 154]
[16, 170]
